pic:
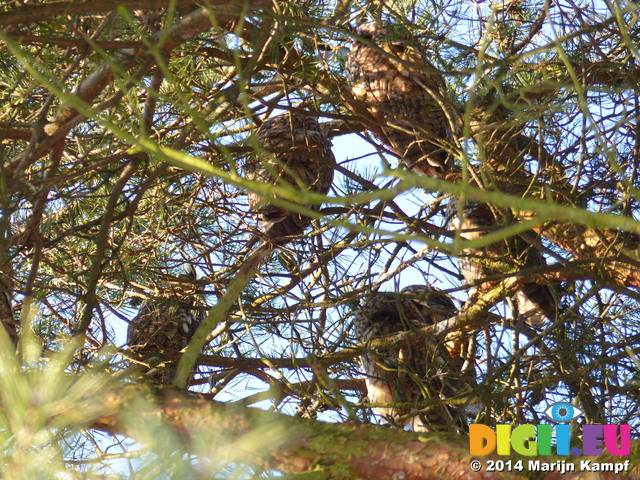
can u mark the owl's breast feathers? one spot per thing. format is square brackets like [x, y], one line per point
[294, 151]
[400, 96]
[536, 301]
[401, 378]
[165, 323]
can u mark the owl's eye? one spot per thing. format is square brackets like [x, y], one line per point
[561, 412]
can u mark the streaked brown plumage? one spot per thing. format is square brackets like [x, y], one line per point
[536, 302]
[165, 323]
[412, 372]
[296, 151]
[6, 297]
[398, 94]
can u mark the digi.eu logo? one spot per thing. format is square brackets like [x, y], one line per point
[531, 440]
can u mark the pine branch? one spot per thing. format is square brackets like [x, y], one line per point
[296, 446]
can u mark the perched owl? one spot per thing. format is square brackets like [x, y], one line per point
[295, 151]
[413, 379]
[6, 297]
[166, 323]
[535, 301]
[398, 94]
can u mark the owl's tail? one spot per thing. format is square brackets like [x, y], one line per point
[447, 419]
[536, 304]
[291, 225]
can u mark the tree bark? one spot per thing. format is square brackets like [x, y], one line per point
[40, 12]
[330, 450]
